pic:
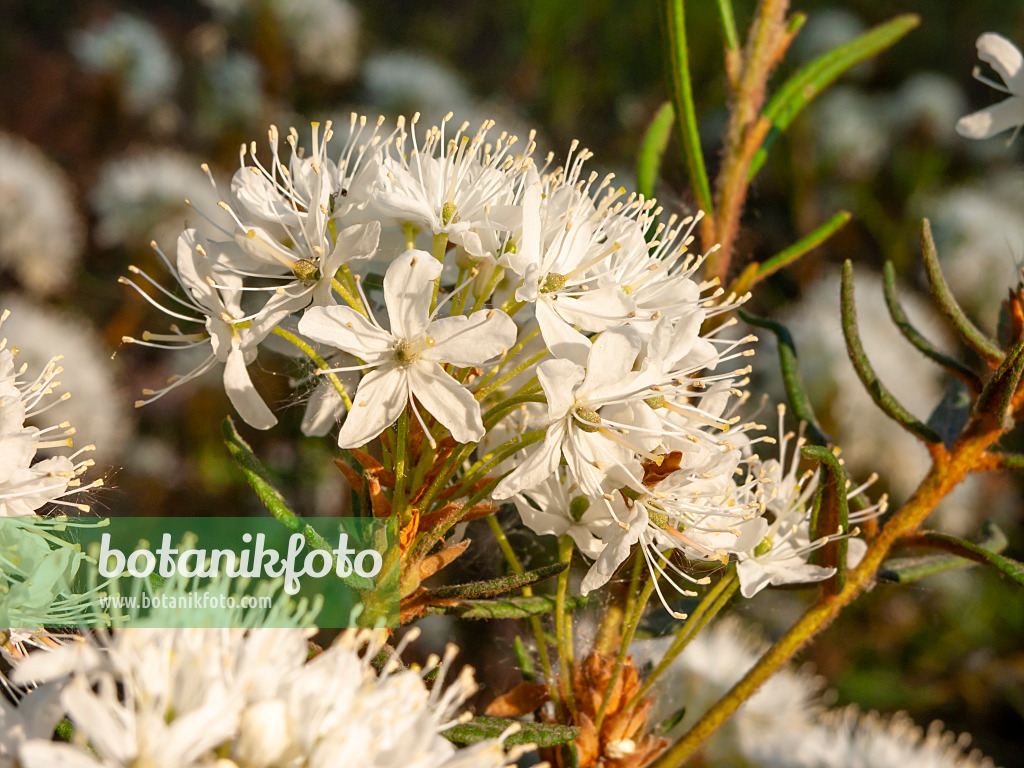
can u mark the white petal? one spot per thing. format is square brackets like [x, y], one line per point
[610, 362]
[1004, 57]
[540, 464]
[346, 329]
[46, 754]
[616, 550]
[558, 378]
[324, 409]
[986, 123]
[359, 241]
[596, 310]
[193, 271]
[243, 394]
[408, 289]
[562, 339]
[447, 401]
[465, 341]
[377, 404]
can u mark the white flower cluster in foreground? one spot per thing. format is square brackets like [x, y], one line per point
[785, 723]
[549, 320]
[41, 233]
[224, 698]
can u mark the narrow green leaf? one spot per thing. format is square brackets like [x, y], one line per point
[793, 383]
[509, 608]
[541, 734]
[678, 62]
[498, 586]
[855, 349]
[964, 328]
[911, 334]
[670, 722]
[257, 476]
[971, 551]
[524, 660]
[903, 570]
[800, 89]
[652, 149]
[950, 416]
[831, 516]
[993, 408]
[803, 245]
[728, 20]
[1011, 460]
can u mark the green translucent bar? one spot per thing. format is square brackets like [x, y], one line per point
[197, 572]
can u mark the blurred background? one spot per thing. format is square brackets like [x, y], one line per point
[110, 108]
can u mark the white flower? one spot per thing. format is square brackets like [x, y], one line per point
[214, 298]
[1006, 60]
[142, 197]
[472, 185]
[26, 486]
[131, 48]
[408, 358]
[96, 406]
[210, 698]
[41, 233]
[574, 393]
[324, 33]
[556, 507]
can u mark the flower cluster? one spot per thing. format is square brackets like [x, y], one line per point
[26, 485]
[229, 698]
[553, 329]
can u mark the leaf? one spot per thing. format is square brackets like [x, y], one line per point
[652, 149]
[793, 383]
[509, 608]
[964, 328]
[950, 416]
[977, 552]
[904, 570]
[915, 337]
[678, 62]
[257, 476]
[855, 350]
[497, 586]
[831, 516]
[994, 406]
[541, 734]
[801, 89]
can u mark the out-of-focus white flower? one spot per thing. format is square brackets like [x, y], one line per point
[408, 358]
[41, 233]
[979, 234]
[324, 34]
[233, 97]
[928, 101]
[785, 724]
[850, 137]
[132, 49]
[408, 82]
[1004, 57]
[194, 697]
[142, 197]
[826, 30]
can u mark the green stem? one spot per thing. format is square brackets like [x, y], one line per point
[714, 601]
[562, 620]
[538, 630]
[401, 451]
